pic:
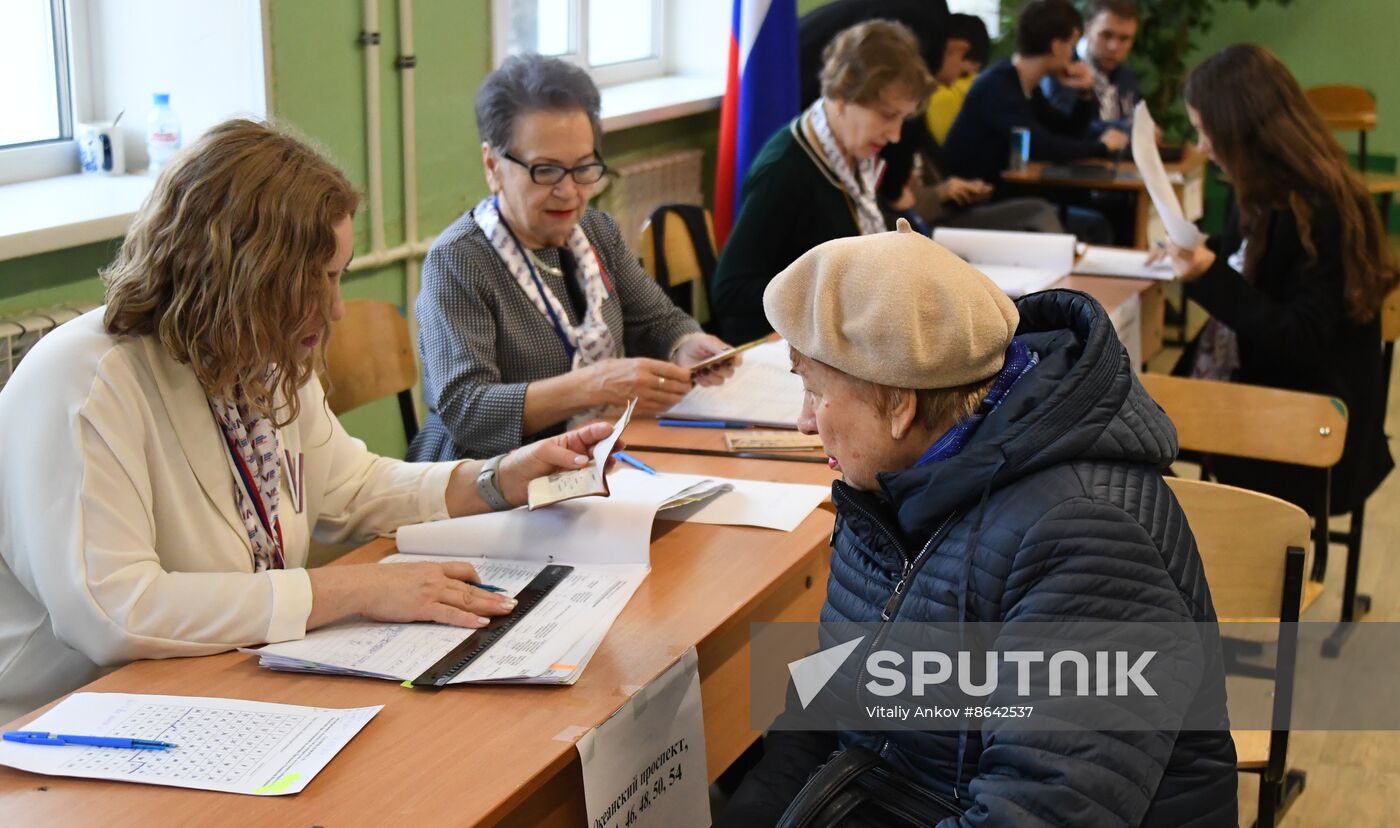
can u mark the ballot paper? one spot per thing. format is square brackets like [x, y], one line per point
[781, 506]
[1112, 261]
[549, 645]
[1019, 263]
[762, 391]
[228, 745]
[1154, 176]
[589, 480]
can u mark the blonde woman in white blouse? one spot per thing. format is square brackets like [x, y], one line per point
[167, 459]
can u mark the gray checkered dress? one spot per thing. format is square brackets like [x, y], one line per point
[482, 341]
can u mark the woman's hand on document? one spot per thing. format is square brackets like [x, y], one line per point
[403, 592]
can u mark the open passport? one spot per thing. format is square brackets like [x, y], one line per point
[584, 482]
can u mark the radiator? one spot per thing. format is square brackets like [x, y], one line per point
[640, 187]
[18, 333]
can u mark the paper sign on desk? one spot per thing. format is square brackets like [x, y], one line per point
[228, 745]
[770, 441]
[1019, 263]
[645, 766]
[1154, 175]
[584, 482]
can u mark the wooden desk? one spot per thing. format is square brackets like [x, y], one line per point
[1117, 296]
[489, 755]
[1190, 192]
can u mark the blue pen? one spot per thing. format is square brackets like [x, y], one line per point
[487, 587]
[34, 737]
[703, 424]
[634, 462]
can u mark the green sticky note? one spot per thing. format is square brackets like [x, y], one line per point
[280, 786]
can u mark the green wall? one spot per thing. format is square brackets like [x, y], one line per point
[1326, 41]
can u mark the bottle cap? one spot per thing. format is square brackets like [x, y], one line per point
[161, 98]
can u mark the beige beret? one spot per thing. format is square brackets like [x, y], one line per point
[894, 308]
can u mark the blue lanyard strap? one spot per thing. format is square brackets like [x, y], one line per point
[569, 348]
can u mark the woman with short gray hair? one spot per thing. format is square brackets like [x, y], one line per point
[533, 311]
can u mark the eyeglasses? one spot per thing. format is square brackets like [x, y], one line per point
[551, 174]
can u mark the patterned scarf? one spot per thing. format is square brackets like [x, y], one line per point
[858, 184]
[1019, 360]
[253, 455]
[591, 340]
[1217, 346]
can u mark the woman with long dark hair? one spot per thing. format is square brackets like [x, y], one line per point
[1294, 284]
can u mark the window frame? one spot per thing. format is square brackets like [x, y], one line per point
[612, 74]
[53, 156]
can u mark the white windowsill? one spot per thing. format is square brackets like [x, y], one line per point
[635, 104]
[67, 211]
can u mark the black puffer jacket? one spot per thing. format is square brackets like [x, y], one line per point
[1076, 523]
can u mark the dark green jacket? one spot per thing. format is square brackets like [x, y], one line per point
[789, 207]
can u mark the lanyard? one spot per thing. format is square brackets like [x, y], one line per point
[245, 476]
[569, 348]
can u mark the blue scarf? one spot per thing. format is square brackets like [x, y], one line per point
[1019, 360]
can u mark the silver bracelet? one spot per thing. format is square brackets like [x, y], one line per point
[488, 485]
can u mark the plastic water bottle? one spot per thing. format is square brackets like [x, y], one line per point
[162, 132]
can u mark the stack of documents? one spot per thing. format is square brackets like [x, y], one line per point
[1019, 263]
[763, 391]
[549, 645]
[1115, 261]
[607, 541]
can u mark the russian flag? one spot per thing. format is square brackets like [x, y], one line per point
[760, 98]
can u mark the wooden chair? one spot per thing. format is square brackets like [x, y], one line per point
[1261, 423]
[681, 258]
[369, 356]
[1253, 547]
[1343, 106]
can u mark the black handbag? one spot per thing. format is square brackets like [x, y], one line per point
[858, 788]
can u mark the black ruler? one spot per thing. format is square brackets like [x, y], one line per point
[470, 650]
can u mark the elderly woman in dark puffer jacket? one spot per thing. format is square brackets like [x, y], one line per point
[1025, 486]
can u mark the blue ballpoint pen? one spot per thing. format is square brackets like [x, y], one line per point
[633, 462]
[703, 424]
[34, 737]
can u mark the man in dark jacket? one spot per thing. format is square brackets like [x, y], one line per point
[1026, 486]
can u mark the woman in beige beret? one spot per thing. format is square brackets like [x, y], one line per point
[989, 479]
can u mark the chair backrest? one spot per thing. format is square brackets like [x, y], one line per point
[1343, 106]
[1243, 538]
[677, 257]
[1252, 421]
[1390, 317]
[369, 356]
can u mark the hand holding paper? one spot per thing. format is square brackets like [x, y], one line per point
[589, 480]
[1154, 175]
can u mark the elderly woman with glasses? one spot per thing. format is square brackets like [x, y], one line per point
[533, 311]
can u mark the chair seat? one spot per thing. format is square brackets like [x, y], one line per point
[1252, 748]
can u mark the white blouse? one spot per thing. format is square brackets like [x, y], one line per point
[119, 539]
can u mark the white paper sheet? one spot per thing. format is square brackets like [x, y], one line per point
[1154, 176]
[781, 506]
[645, 766]
[228, 745]
[592, 530]
[1108, 261]
[1019, 263]
[763, 391]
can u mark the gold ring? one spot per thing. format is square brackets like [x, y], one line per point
[660, 381]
